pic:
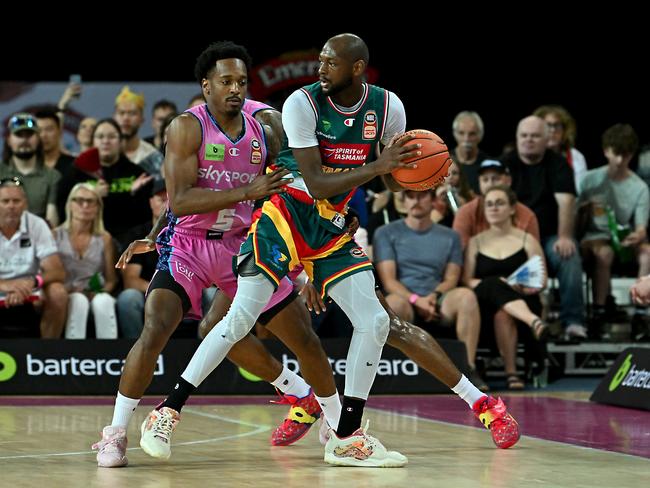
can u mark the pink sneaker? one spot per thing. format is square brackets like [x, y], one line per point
[493, 415]
[302, 415]
[112, 447]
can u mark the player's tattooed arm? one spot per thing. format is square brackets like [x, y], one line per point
[271, 121]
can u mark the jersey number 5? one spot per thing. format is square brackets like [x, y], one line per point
[225, 219]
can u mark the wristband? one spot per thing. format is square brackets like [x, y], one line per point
[39, 281]
[413, 298]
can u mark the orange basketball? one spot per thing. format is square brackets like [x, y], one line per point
[433, 164]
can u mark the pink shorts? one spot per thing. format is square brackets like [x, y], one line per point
[197, 262]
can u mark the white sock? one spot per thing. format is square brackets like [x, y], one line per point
[290, 383]
[467, 391]
[331, 406]
[124, 410]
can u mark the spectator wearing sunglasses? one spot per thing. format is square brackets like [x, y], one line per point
[31, 272]
[88, 256]
[23, 157]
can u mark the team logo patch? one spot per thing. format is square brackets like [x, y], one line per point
[277, 255]
[184, 271]
[256, 152]
[370, 125]
[348, 122]
[215, 152]
[338, 220]
[358, 253]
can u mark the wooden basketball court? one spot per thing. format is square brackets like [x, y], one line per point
[45, 442]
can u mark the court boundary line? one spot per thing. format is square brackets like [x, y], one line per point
[258, 429]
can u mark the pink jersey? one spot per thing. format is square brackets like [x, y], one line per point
[225, 164]
[251, 107]
[198, 250]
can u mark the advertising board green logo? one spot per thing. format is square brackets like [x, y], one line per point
[7, 366]
[620, 374]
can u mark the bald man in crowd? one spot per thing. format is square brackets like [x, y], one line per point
[544, 182]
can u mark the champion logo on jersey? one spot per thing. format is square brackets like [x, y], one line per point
[370, 125]
[256, 152]
[215, 152]
[348, 122]
[357, 252]
[234, 151]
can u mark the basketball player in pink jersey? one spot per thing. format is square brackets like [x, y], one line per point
[213, 165]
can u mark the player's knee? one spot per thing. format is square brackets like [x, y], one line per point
[381, 327]
[152, 339]
[156, 331]
[205, 327]
[398, 330]
[308, 340]
[247, 266]
[237, 324]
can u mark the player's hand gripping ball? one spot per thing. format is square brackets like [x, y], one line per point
[432, 165]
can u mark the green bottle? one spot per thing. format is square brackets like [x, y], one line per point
[618, 233]
[95, 283]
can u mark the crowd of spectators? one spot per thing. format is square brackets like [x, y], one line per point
[442, 255]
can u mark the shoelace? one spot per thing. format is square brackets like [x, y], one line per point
[284, 400]
[496, 412]
[373, 442]
[163, 426]
[106, 443]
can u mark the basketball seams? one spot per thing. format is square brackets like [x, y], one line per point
[442, 166]
[423, 134]
[427, 156]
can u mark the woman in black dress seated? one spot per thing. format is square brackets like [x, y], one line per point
[491, 256]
